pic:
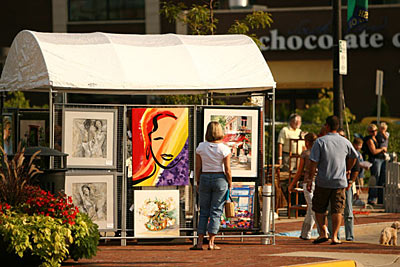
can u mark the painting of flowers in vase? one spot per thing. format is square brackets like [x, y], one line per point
[156, 213]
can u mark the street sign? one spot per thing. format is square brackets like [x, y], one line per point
[379, 91]
[379, 82]
[342, 57]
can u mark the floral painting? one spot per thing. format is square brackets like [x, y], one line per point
[156, 213]
[160, 146]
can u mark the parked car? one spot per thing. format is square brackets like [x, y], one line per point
[388, 120]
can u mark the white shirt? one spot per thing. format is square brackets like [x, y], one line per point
[212, 156]
[285, 135]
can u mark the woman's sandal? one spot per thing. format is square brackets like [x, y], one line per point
[215, 247]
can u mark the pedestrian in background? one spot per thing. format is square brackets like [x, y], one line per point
[376, 155]
[292, 131]
[213, 178]
[302, 174]
[334, 156]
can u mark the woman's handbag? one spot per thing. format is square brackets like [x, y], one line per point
[229, 206]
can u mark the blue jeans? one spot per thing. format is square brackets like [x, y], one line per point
[378, 170]
[348, 215]
[213, 189]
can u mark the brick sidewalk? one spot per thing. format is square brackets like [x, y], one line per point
[234, 252]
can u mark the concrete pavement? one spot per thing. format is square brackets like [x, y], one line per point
[288, 251]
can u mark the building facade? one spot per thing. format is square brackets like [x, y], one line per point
[297, 46]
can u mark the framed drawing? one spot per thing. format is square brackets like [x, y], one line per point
[9, 133]
[160, 146]
[241, 135]
[156, 213]
[94, 195]
[243, 197]
[89, 138]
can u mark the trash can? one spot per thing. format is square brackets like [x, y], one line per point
[52, 179]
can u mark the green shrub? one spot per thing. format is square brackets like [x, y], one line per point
[86, 237]
[36, 235]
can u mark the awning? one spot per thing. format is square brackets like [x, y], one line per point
[134, 64]
[302, 74]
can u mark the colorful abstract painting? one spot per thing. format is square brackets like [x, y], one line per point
[156, 213]
[160, 146]
[240, 135]
[243, 196]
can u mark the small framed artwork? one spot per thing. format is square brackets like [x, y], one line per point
[242, 194]
[9, 132]
[156, 213]
[33, 128]
[94, 195]
[240, 135]
[89, 138]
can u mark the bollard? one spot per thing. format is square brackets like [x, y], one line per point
[266, 212]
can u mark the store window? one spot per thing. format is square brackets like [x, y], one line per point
[93, 10]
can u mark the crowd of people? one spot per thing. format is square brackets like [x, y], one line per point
[328, 170]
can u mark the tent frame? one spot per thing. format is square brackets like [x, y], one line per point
[268, 237]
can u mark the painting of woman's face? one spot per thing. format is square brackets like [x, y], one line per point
[159, 146]
[159, 137]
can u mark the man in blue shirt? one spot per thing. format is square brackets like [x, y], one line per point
[334, 156]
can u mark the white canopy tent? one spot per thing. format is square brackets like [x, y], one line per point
[135, 64]
[139, 64]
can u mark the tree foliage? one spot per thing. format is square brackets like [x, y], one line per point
[318, 112]
[201, 21]
[17, 99]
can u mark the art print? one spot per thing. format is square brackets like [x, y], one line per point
[94, 196]
[32, 132]
[8, 133]
[240, 135]
[89, 138]
[156, 213]
[160, 146]
[243, 197]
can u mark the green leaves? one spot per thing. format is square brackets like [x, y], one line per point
[201, 21]
[48, 238]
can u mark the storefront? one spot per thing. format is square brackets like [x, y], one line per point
[298, 47]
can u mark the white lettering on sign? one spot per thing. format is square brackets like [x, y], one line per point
[396, 40]
[310, 42]
[276, 42]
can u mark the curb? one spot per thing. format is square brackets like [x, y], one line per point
[334, 263]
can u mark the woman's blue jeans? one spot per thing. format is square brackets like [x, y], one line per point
[378, 170]
[213, 189]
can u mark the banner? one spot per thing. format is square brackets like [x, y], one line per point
[357, 12]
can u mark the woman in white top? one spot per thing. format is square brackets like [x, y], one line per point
[213, 172]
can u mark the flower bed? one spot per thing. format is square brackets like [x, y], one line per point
[38, 228]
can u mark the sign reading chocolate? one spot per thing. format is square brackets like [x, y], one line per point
[276, 42]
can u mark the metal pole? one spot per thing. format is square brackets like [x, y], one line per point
[124, 183]
[273, 166]
[51, 125]
[337, 78]
[194, 188]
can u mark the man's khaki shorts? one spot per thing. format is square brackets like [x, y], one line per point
[322, 197]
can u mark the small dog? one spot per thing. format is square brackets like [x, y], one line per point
[389, 234]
